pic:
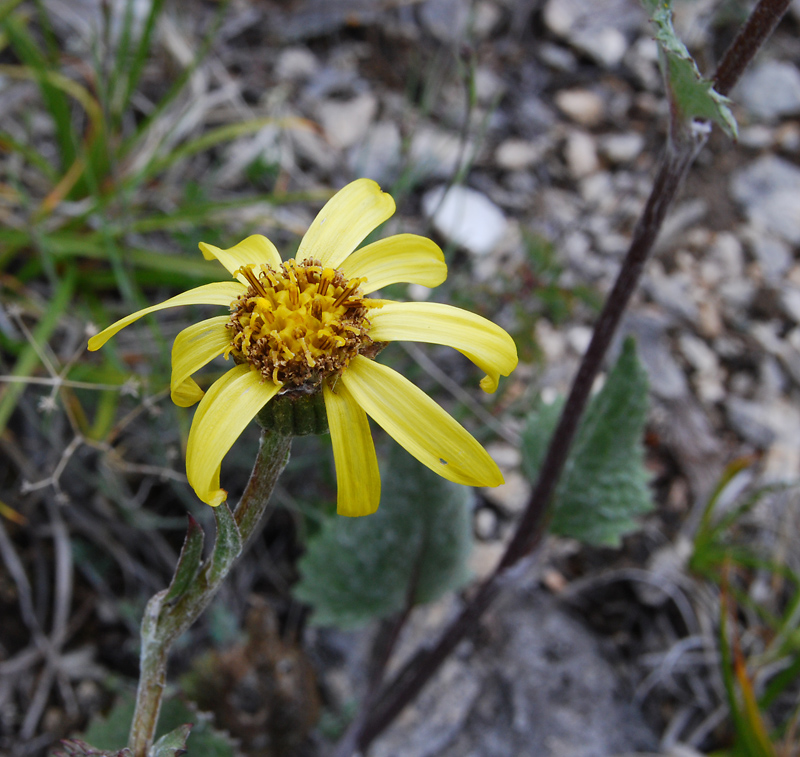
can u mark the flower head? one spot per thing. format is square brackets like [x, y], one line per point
[307, 325]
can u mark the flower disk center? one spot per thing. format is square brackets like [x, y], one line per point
[299, 324]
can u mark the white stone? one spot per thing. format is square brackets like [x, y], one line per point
[549, 340]
[513, 495]
[516, 154]
[296, 63]
[581, 105]
[699, 355]
[485, 523]
[506, 455]
[770, 90]
[486, 18]
[622, 148]
[594, 28]
[484, 557]
[578, 338]
[769, 190]
[790, 302]
[580, 154]
[465, 217]
[346, 123]
[489, 87]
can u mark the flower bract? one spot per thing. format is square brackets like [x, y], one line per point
[308, 325]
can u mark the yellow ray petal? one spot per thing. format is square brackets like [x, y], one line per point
[228, 406]
[402, 258]
[219, 293]
[358, 479]
[255, 249]
[195, 346]
[344, 221]
[417, 423]
[483, 342]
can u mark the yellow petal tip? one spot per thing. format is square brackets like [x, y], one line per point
[207, 250]
[215, 499]
[489, 384]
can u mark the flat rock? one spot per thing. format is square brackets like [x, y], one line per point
[346, 123]
[541, 687]
[769, 191]
[771, 90]
[465, 217]
[446, 20]
[666, 377]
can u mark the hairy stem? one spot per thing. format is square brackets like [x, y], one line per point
[679, 155]
[165, 621]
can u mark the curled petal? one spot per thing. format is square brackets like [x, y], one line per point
[404, 258]
[220, 293]
[358, 479]
[417, 423]
[227, 407]
[344, 221]
[255, 250]
[483, 342]
[195, 346]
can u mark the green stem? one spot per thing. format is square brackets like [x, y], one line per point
[164, 621]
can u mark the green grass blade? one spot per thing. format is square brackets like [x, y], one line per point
[142, 51]
[130, 144]
[54, 98]
[7, 7]
[211, 139]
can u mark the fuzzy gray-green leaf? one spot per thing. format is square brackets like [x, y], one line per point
[189, 561]
[229, 542]
[603, 487]
[416, 543]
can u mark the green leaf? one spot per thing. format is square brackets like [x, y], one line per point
[604, 484]
[113, 729]
[172, 744]
[188, 562]
[416, 546]
[691, 95]
[228, 545]
[204, 741]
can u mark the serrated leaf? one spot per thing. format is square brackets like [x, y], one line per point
[603, 487]
[113, 729]
[416, 543]
[189, 561]
[205, 740]
[691, 95]
[172, 744]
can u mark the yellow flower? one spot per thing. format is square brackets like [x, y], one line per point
[307, 324]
